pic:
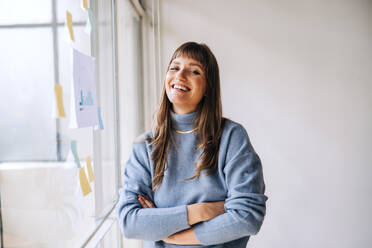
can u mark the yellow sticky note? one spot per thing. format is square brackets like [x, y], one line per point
[59, 100]
[85, 187]
[69, 25]
[85, 4]
[90, 169]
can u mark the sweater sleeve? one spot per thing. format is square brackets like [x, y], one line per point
[245, 205]
[145, 223]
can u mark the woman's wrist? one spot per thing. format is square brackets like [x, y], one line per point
[194, 213]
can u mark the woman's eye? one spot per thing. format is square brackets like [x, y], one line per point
[173, 69]
[196, 72]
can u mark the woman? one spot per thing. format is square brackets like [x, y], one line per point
[195, 179]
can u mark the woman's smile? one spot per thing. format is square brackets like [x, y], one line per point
[180, 87]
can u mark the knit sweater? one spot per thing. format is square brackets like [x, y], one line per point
[238, 181]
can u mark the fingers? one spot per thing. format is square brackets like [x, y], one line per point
[149, 202]
[142, 201]
[145, 202]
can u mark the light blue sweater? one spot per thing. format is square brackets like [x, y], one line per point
[238, 181]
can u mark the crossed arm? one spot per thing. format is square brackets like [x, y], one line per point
[244, 205]
[195, 213]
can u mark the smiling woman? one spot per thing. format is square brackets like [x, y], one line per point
[166, 199]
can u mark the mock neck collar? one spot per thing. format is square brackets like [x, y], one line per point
[183, 122]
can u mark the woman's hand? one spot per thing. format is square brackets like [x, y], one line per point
[145, 202]
[211, 210]
[204, 211]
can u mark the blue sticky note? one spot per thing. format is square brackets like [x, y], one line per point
[91, 20]
[74, 152]
[99, 118]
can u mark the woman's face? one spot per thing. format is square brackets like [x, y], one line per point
[185, 84]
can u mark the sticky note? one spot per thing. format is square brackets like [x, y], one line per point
[69, 25]
[100, 122]
[90, 169]
[74, 152]
[100, 118]
[85, 4]
[59, 100]
[90, 26]
[85, 187]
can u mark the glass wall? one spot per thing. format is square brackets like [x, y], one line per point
[44, 197]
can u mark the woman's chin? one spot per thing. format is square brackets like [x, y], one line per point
[179, 100]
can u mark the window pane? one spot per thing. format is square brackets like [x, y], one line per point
[25, 11]
[28, 130]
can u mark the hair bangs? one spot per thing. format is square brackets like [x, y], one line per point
[194, 51]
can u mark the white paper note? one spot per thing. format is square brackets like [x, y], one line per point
[83, 91]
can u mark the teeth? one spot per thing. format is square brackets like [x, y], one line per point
[180, 87]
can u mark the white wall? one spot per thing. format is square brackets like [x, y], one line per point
[297, 75]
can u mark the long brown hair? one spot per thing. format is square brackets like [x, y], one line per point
[208, 119]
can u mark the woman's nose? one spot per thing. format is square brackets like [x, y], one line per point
[181, 74]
